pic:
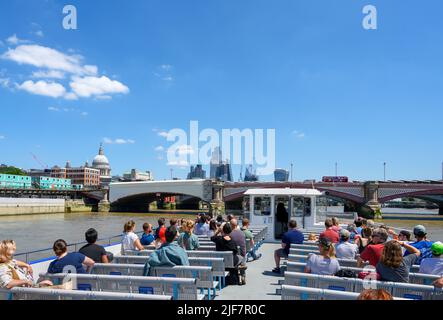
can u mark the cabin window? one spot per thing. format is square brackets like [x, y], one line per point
[262, 206]
[300, 205]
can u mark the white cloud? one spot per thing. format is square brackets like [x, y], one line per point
[94, 86]
[2, 137]
[50, 74]
[84, 114]
[163, 134]
[13, 40]
[298, 134]
[118, 141]
[39, 33]
[160, 148]
[166, 67]
[43, 88]
[5, 82]
[181, 163]
[55, 109]
[44, 57]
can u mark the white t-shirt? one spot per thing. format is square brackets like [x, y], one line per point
[319, 265]
[128, 241]
[346, 250]
[432, 266]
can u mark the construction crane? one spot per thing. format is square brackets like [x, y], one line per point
[43, 165]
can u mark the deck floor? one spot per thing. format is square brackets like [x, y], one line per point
[261, 283]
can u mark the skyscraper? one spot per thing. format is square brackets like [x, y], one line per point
[216, 160]
[197, 172]
[224, 172]
[250, 174]
[281, 175]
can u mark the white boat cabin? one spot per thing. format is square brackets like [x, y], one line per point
[274, 208]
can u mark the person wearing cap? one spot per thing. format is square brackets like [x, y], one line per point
[421, 244]
[433, 265]
[393, 267]
[345, 249]
[372, 252]
[325, 263]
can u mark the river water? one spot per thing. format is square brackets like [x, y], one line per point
[35, 232]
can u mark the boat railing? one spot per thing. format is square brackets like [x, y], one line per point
[47, 254]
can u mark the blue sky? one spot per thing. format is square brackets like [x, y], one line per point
[333, 91]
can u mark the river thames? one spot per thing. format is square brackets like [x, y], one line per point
[35, 232]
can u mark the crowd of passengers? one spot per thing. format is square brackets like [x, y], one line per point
[169, 242]
[381, 247]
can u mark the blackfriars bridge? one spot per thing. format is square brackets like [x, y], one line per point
[363, 197]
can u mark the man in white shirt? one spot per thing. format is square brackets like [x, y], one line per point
[344, 249]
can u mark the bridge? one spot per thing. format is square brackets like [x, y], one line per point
[363, 197]
[136, 196]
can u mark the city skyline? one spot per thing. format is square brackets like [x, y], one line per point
[334, 92]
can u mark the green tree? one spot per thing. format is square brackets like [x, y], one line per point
[12, 170]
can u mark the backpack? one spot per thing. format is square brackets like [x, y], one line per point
[343, 273]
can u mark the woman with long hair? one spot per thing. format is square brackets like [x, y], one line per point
[14, 273]
[325, 263]
[393, 266]
[130, 240]
[187, 240]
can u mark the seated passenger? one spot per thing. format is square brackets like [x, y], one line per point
[312, 239]
[293, 236]
[433, 265]
[249, 237]
[68, 262]
[130, 240]
[160, 232]
[421, 243]
[438, 283]
[92, 250]
[212, 228]
[168, 255]
[224, 242]
[345, 249]
[238, 237]
[373, 251]
[336, 224]
[330, 232]
[174, 223]
[187, 240]
[325, 263]
[202, 227]
[375, 294]
[14, 273]
[147, 236]
[392, 266]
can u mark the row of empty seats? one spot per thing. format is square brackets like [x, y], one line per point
[178, 288]
[396, 289]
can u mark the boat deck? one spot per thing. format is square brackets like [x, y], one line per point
[261, 283]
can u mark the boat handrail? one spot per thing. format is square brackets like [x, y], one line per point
[76, 246]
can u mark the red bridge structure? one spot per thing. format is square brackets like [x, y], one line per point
[363, 197]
